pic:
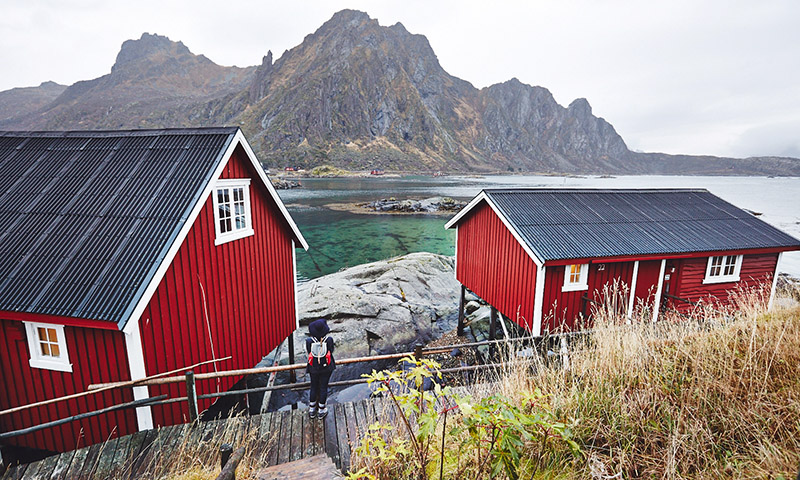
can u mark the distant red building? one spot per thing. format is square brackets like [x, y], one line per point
[541, 256]
[129, 253]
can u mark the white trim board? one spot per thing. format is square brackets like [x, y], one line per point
[133, 346]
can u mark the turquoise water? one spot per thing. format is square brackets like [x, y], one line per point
[340, 239]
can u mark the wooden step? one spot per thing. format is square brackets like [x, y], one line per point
[318, 467]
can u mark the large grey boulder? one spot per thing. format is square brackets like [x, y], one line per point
[382, 307]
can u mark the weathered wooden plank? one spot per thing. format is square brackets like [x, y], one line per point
[278, 432]
[361, 419]
[84, 469]
[352, 425]
[342, 437]
[106, 458]
[138, 455]
[15, 472]
[155, 453]
[268, 436]
[62, 465]
[331, 441]
[298, 424]
[307, 434]
[318, 436]
[285, 439]
[45, 468]
[119, 457]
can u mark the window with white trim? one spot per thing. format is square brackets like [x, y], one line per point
[723, 268]
[576, 277]
[48, 346]
[232, 218]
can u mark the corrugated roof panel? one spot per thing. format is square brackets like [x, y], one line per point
[86, 215]
[560, 224]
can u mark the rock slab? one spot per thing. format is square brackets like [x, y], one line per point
[382, 307]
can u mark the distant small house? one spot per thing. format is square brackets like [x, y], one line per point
[289, 169]
[130, 253]
[541, 256]
[376, 172]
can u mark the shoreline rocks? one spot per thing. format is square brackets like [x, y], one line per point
[432, 205]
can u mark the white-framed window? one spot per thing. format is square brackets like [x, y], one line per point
[576, 277]
[48, 346]
[232, 218]
[723, 268]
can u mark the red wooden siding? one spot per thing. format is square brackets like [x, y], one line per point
[755, 269]
[249, 291]
[97, 356]
[492, 264]
[562, 310]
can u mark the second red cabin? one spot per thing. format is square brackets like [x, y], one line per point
[541, 256]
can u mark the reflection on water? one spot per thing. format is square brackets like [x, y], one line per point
[339, 239]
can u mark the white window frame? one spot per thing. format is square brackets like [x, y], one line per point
[236, 234]
[721, 278]
[583, 280]
[38, 360]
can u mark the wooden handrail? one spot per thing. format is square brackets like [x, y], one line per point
[105, 387]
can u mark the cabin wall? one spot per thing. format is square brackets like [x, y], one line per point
[97, 356]
[234, 299]
[492, 264]
[756, 269]
[563, 310]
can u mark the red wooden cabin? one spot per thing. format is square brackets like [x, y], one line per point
[129, 253]
[539, 256]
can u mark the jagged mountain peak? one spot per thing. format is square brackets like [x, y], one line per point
[150, 46]
[580, 107]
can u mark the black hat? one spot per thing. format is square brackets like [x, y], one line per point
[318, 328]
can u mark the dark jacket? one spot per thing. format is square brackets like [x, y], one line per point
[316, 330]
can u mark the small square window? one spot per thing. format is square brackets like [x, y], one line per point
[724, 268]
[575, 277]
[232, 210]
[48, 346]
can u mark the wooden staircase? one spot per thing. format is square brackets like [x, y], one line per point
[318, 467]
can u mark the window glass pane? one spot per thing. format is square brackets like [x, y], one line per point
[54, 351]
[227, 225]
[42, 334]
[51, 335]
[45, 349]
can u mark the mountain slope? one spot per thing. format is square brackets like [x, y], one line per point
[357, 95]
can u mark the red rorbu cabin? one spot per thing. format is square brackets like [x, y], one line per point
[541, 256]
[130, 253]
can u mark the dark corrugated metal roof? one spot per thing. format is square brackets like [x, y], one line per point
[581, 223]
[86, 217]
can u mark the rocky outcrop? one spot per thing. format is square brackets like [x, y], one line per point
[427, 205]
[382, 307]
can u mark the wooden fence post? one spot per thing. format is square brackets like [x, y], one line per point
[225, 451]
[292, 374]
[460, 328]
[418, 351]
[191, 395]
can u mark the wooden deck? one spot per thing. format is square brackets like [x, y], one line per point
[272, 438]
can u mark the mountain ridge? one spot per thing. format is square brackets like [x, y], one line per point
[357, 95]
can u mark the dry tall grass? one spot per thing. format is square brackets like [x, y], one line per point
[713, 396]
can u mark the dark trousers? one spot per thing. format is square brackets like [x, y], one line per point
[319, 388]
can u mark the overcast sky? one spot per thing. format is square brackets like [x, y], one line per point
[678, 76]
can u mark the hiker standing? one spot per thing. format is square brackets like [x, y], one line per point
[319, 346]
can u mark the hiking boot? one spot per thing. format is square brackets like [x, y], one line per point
[322, 412]
[312, 412]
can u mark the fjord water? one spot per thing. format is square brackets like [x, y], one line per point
[341, 239]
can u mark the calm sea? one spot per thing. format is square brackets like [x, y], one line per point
[338, 239]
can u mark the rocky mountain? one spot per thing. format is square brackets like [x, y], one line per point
[357, 95]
